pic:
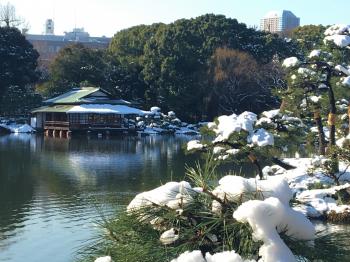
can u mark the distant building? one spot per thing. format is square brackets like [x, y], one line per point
[278, 22]
[48, 45]
[49, 27]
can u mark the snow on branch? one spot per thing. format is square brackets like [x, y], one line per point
[290, 62]
[338, 34]
[270, 217]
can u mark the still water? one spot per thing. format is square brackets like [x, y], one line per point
[52, 191]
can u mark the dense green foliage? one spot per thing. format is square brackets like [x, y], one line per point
[17, 72]
[135, 235]
[169, 65]
[309, 37]
[75, 64]
[177, 59]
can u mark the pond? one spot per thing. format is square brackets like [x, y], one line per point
[52, 191]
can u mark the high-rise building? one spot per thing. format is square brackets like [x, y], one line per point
[277, 22]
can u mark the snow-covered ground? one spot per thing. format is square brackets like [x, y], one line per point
[18, 128]
[154, 122]
[315, 203]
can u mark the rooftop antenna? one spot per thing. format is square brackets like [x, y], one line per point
[75, 15]
[53, 10]
[53, 13]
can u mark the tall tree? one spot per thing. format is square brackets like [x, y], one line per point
[18, 63]
[309, 37]
[176, 60]
[8, 17]
[75, 64]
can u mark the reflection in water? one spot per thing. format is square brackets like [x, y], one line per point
[50, 187]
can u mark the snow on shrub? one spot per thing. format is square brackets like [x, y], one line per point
[103, 259]
[270, 217]
[290, 62]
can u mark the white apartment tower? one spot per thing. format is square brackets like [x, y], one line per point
[49, 27]
[276, 22]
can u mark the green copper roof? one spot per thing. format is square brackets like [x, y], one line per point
[53, 109]
[73, 96]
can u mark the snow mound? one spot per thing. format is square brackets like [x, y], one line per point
[337, 29]
[235, 188]
[346, 81]
[321, 201]
[339, 40]
[193, 256]
[193, 145]
[269, 217]
[315, 53]
[155, 109]
[271, 113]
[261, 137]
[18, 128]
[290, 62]
[226, 256]
[342, 69]
[103, 259]
[196, 256]
[169, 237]
[172, 194]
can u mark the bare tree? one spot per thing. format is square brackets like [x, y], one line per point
[241, 83]
[9, 18]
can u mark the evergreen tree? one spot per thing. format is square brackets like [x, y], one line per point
[75, 64]
[321, 70]
[17, 69]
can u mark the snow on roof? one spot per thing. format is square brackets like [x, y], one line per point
[105, 109]
[73, 95]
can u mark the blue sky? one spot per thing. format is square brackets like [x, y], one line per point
[105, 17]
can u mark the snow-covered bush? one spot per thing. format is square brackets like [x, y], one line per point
[207, 219]
[155, 122]
[246, 137]
[312, 84]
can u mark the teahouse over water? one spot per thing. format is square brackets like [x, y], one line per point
[85, 109]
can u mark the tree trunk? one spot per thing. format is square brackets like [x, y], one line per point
[331, 116]
[331, 122]
[349, 119]
[255, 162]
[321, 136]
[283, 105]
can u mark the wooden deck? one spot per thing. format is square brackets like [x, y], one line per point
[65, 128]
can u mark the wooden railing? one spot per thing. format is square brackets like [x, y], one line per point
[56, 123]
